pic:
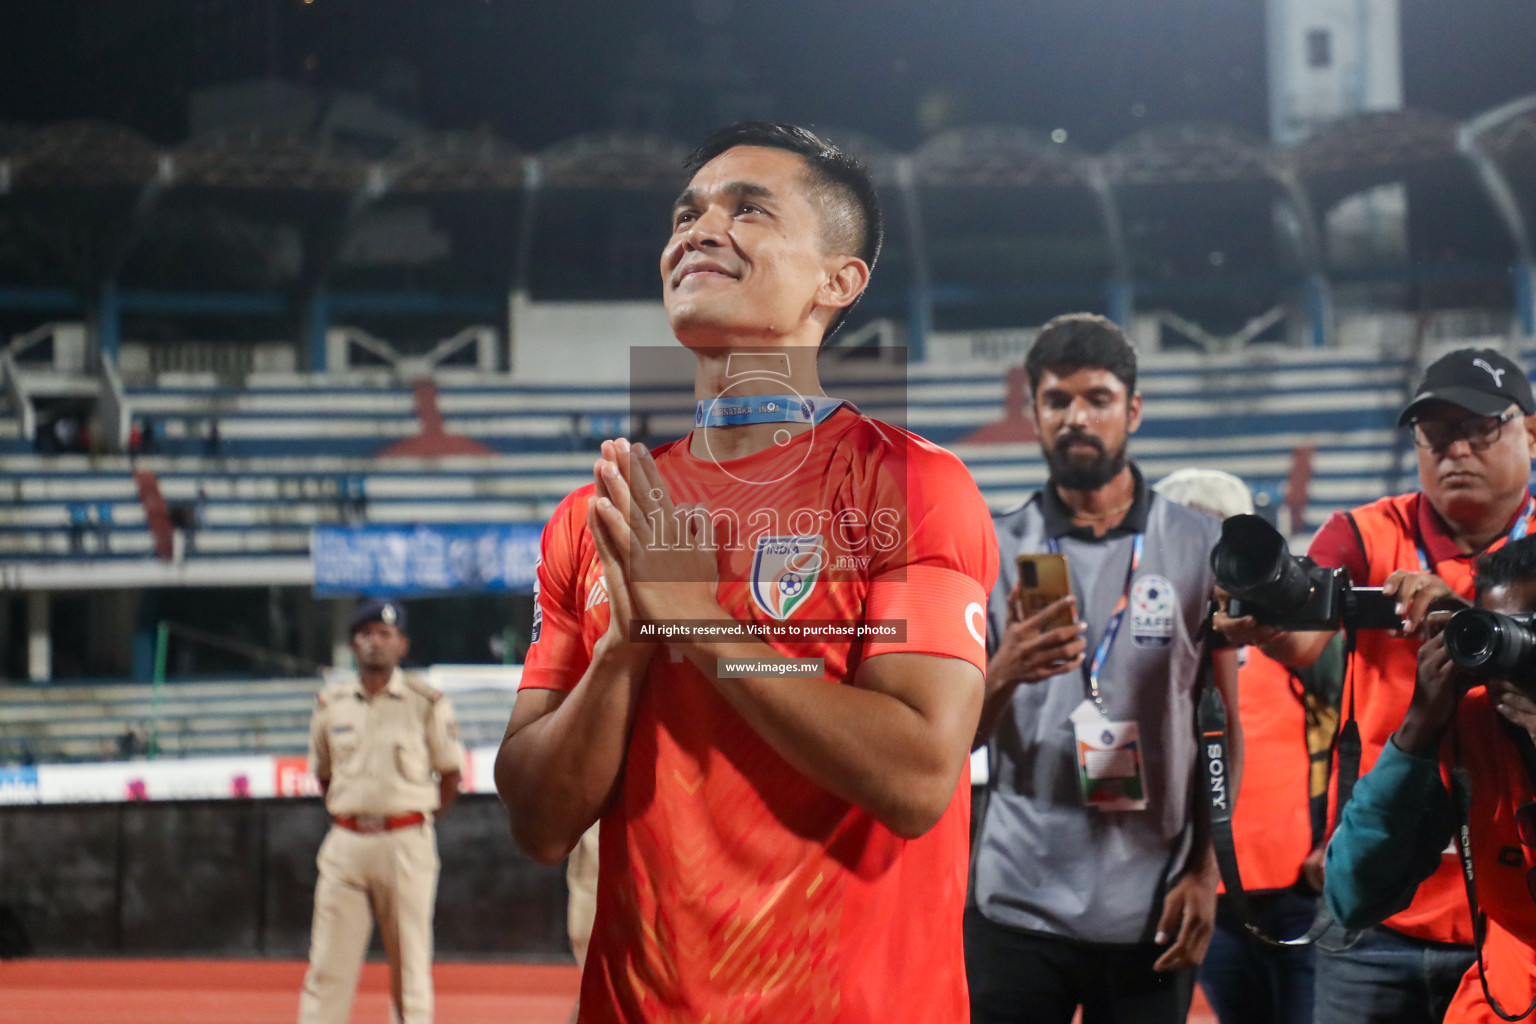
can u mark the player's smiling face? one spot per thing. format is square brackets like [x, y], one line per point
[745, 260]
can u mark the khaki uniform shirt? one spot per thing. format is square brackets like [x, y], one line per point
[380, 755]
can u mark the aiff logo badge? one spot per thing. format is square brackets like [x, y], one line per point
[784, 572]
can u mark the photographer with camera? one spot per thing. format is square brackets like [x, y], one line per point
[1246, 979]
[1474, 435]
[1473, 715]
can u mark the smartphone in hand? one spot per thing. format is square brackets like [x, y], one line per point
[1044, 578]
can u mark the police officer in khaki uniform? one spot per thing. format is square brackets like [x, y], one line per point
[386, 752]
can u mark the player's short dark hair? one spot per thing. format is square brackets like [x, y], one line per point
[1077, 341]
[1515, 562]
[845, 192]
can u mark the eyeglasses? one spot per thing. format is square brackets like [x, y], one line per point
[1478, 431]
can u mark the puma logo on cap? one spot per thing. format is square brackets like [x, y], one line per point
[1497, 375]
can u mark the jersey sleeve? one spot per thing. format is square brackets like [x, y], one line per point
[937, 578]
[319, 744]
[557, 657]
[1336, 546]
[443, 738]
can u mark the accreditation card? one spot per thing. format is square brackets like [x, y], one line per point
[1109, 762]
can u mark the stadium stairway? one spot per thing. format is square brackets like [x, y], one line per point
[296, 451]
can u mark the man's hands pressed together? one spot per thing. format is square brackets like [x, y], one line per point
[613, 554]
[661, 550]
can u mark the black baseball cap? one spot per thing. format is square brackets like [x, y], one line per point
[1479, 380]
[391, 613]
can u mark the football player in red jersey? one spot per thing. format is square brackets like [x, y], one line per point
[774, 847]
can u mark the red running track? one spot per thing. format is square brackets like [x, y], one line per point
[263, 992]
[267, 992]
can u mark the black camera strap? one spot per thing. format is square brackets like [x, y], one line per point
[1461, 798]
[1221, 798]
[1347, 743]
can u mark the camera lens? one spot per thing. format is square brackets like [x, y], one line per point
[1253, 563]
[1490, 644]
[1471, 638]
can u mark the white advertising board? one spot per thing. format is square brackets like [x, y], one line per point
[205, 778]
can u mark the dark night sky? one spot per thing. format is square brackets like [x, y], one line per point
[536, 72]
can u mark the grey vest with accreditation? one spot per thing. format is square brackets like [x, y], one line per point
[1045, 862]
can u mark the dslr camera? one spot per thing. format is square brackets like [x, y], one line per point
[1490, 644]
[1253, 564]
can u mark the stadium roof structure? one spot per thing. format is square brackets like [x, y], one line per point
[335, 183]
[1386, 141]
[1513, 138]
[266, 160]
[1190, 154]
[997, 156]
[1378, 146]
[613, 160]
[458, 163]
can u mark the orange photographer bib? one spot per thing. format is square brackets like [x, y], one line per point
[1271, 823]
[1380, 683]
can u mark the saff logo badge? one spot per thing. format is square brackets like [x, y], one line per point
[1153, 604]
[784, 572]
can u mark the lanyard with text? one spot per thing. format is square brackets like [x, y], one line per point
[1092, 669]
[738, 410]
[1520, 529]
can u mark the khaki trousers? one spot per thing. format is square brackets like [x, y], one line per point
[388, 876]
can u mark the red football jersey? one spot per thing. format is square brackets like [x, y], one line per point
[730, 886]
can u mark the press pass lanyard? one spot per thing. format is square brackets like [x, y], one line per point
[1520, 529]
[736, 411]
[1092, 669]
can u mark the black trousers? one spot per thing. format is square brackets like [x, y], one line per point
[1024, 978]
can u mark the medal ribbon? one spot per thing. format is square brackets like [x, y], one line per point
[738, 411]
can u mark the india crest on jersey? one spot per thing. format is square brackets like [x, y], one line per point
[784, 572]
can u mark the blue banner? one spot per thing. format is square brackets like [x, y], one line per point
[18, 785]
[404, 560]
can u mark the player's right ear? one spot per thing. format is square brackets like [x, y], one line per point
[848, 278]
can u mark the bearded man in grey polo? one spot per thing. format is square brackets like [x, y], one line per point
[1094, 884]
